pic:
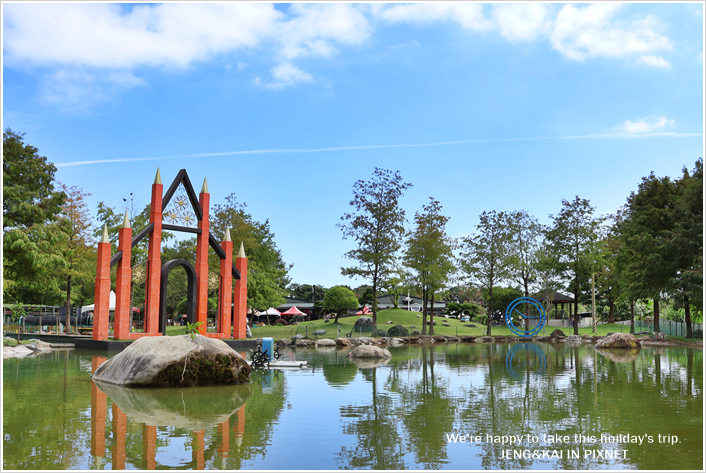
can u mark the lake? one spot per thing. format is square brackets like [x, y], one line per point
[448, 406]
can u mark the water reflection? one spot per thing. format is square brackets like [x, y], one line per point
[396, 415]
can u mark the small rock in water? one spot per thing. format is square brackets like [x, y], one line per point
[319, 332]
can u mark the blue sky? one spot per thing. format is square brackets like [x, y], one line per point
[482, 106]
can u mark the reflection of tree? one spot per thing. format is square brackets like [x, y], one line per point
[379, 445]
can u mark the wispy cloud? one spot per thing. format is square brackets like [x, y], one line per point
[380, 146]
[655, 61]
[643, 126]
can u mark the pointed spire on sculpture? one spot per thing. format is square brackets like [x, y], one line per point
[126, 221]
[158, 178]
[241, 253]
[227, 237]
[105, 235]
[204, 189]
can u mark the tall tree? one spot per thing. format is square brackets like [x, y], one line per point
[267, 271]
[685, 241]
[77, 246]
[646, 228]
[377, 226]
[485, 256]
[31, 206]
[429, 256]
[575, 239]
[525, 238]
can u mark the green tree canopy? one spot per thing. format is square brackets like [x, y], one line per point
[340, 300]
[377, 226]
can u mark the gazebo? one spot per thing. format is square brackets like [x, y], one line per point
[556, 298]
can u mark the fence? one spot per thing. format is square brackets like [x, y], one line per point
[669, 327]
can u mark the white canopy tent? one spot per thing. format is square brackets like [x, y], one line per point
[91, 308]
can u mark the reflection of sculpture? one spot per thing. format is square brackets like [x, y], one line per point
[620, 355]
[192, 409]
[528, 347]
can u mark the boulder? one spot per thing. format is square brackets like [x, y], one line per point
[416, 332]
[398, 331]
[451, 338]
[325, 342]
[343, 342]
[439, 338]
[395, 342]
[389, 322]
[39, 346]
[542, 339]
[175, 361]
[283, 342]
[18, 351]
[419, 316]
[364, 321]
[487, 339]
[557, 333]
[573, 339]
[468, 338]
[298, 336]
[426, 339]
[304, 343]
[446, 324]
[413, 339]
[619, 340]
[500, 338]
[319, 332]
[365, 351]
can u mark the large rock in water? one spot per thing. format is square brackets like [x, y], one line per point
[619, 340]
[369, 351]
[175, 361]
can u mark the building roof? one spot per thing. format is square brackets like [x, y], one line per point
[554, 296]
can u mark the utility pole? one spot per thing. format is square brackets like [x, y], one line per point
[593, 300]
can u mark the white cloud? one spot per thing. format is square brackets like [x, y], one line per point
[655, 61]
[104, 35]
[521, 21]
[286, 75]
[590, 31]
[468, 15]
[315, 29]
[645, 125]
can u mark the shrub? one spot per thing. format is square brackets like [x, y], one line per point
[281, 322]
[416, 332]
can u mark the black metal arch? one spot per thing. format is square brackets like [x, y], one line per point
[190, 292]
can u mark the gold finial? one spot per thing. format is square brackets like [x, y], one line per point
[158, 178]
[241, 253]
[227, 237]
[204, 189]
[126, 221]
[105, 235]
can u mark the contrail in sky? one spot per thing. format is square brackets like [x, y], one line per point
[348, 148]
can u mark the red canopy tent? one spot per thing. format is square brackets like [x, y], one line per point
[293, 311]
[365, 311]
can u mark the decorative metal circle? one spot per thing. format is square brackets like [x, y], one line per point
[179, 211]
[139, 273]
[415, 307]
[513, 307]
[531, 347]
[214, 281]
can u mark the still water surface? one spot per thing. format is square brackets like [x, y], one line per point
[337, 414]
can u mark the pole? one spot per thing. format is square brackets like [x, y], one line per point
[593, 300]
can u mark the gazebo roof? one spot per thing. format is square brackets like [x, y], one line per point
[293, 311]
[553, 296]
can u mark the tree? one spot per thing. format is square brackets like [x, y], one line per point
[31, 233]
[429, 256]
[267, 271]
[340, 300]
[685, 241]
[574, 239]
[77, 246]
[377, 226]
[29, 197]
[395, 285]
[646, 228]
[306, 292]
[525, 233]
[485, 255]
